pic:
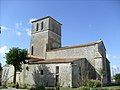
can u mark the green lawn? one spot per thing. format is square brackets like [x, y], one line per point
[103, 88]
[112, 87]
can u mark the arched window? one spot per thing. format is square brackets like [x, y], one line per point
[37, 27]
[32, 50]
[41, 25]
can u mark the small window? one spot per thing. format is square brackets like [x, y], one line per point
[37, 27]
[80, 71]
[32, 50]
[41, 25]
[41, 72]
[57, 69]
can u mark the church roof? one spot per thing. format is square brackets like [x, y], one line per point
[76, 46]
[49, 61]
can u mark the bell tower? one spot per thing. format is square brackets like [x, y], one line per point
[45, 35]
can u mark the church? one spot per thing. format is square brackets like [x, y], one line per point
[51, 65]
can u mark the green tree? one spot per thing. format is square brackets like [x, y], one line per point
[117, 78]
[16, 57]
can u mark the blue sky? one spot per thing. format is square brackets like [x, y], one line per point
[82, 21]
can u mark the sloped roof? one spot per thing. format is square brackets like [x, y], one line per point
[48, 61]
[76, 46]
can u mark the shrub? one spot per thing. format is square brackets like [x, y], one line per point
[94, 83]
[4, 84]
[38, 88]
[57, 88]
[11, 85]
[117, 78]
[32, 88]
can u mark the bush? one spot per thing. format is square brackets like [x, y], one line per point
[11, 85]
[57, 88]
[4, 84]
[94, 83]
[117, 78]
[38, 88]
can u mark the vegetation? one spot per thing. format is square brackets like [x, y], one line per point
[0, 73]
[84, 88]
[11, 85]
[96, 88]
[102, 73]
[16, 57]
[94, 83]
[38, 88]
[117, 78]
[42, 88]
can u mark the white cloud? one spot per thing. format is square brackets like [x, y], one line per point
[28, 32]
[18, 33]
[3, 50]
[17, 25]
[112, 57]
[116, 57]
[3, 28]
[32, 19]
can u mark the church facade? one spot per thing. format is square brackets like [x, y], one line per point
[51, 65]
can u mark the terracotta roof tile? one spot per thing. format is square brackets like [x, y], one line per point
[48, 61]
[76, 46]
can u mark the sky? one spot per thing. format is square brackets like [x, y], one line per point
[83, 21]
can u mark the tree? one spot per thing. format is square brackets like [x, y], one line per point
[16, 57]
[117, 78]
[102, 73]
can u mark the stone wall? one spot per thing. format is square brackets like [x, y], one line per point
[55, 26]
[87, 52]
[38, 42]
[45, 25]
[7, 74]
[54, 40]
[33, 76]
[108, 71]
[82, 71]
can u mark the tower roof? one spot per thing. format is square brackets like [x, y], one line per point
[45, 18]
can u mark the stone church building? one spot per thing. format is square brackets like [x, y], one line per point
[50, 64]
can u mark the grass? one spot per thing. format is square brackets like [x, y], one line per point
[99, 88]
[112, 87]
[68, 88]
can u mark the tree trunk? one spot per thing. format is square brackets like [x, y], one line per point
[14, 78]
